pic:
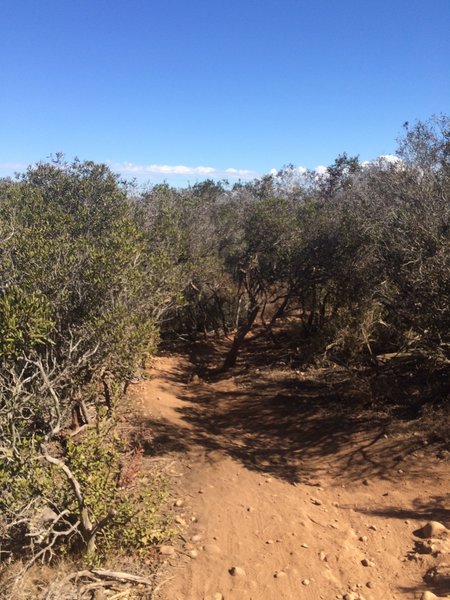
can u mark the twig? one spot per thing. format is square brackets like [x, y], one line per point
[121, 576]
[79, 574]
[85, 520]
[159, 586]
[48, 548]
[123, 594]
[78, 430]
[56, 402]
[99, 584]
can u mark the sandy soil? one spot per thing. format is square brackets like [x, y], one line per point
[311, 497]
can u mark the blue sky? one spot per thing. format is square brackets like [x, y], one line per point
[182, 90]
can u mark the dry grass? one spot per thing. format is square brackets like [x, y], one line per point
[71, 580]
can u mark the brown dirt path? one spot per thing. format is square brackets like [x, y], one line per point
[276, 477]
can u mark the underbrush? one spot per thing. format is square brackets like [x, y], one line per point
[41, 525]
[409, 387]
[68, 579]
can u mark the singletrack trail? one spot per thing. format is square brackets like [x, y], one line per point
[311, 500]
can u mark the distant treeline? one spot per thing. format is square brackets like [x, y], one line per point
[93, 271]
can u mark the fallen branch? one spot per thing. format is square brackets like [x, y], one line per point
[121, 576]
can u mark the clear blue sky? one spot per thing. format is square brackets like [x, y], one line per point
[248, 84]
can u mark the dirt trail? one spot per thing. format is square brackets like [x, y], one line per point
[272, 477]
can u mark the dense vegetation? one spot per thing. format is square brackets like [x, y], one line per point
[94, 271]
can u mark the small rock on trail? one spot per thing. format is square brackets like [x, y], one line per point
[432, 529]
[236, 572]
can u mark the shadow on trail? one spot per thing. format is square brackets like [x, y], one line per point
[276, 423]
[437, 585]
[437, 578]
[435, 508]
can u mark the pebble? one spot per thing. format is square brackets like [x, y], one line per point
[269, 542]
[167, 550]
[322, 556]
[429, 596]
[433, 529]
[367, 563]
[363, 538]
[197, 537]
[316, 501]
[304, 545]
[193, 553]
[279, 574]
[179, 503]
[306, 582]
[236, 572]
[180, 521]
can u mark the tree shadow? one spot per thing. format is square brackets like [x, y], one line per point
[283, 425]
[435, 508]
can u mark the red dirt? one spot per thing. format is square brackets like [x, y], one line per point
[276, 472]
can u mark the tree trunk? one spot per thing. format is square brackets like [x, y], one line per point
[231, 357]
[279, 312]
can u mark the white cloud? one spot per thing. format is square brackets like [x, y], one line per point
[154, 169]
[321, 170]
[141, 170]
[293, 171]
[294, 176]
[240, 172]
[12, 166]
[389, 158]
[384, 161]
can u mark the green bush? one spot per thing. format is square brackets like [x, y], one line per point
[25, 322]
[82, 294]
